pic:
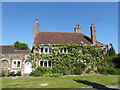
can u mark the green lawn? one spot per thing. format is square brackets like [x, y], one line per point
[61, 82]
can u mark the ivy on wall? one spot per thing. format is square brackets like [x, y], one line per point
[89, 60]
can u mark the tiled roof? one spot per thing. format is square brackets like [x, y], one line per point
[10, 49]
[61, 38]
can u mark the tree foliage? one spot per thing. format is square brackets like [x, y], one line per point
[112, 51]
[21, 46]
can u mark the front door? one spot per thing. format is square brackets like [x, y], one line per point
[28, 68]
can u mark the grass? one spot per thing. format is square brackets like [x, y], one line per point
[60, 82]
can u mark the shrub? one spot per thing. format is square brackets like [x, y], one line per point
[102, 70]
[56, 75]
[2, 74]
[118, 71]
[11, 73]
[7, 73]
[111, 71]
[43, 69]
[18, 73]
[116, 61]
[64, 71]
[78, 71]
[106, 70]
[47, 74]
[36, 73]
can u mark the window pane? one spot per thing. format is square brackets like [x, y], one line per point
[50, 51]
[41, 49]
[61, 50]
[14, 64]
[65, 50]
[45, 63]
[41, 63]
[18, 64]
[46, 49]
[49, 63]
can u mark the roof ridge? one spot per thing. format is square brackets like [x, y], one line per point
[58, 32]
[21, 50]
[7, 45]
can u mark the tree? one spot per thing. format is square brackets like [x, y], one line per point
[112, 50]
[21, 46]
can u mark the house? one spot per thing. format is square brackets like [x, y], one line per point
[16, 60]
[13, 59]
[62, 38]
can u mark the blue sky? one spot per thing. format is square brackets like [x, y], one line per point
[18, 20]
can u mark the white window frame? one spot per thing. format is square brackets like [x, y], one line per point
[63, 51]
[44, 50]
[16, 63]
[44, 63]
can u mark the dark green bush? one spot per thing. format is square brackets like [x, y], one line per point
[102, 70]
[11, 73]
[7, 73]
[41, 71]
[18, 73]
[36, 73]
[111, 71]
[2, 74]
[78, 71]
[118, 71]
[116, 61]
[106, 70]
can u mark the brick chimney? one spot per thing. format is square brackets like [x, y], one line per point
[36, 27]
[77, 29]
[93, 34]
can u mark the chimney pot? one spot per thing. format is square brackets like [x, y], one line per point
[77, 28]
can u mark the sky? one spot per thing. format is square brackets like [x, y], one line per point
[18, 20]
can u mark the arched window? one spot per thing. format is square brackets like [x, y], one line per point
[4, 64]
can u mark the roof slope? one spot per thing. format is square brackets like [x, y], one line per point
[10, 49]
[61, 38]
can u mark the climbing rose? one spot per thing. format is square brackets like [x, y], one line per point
[103, 61]
[110, 44]
[106, 45]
